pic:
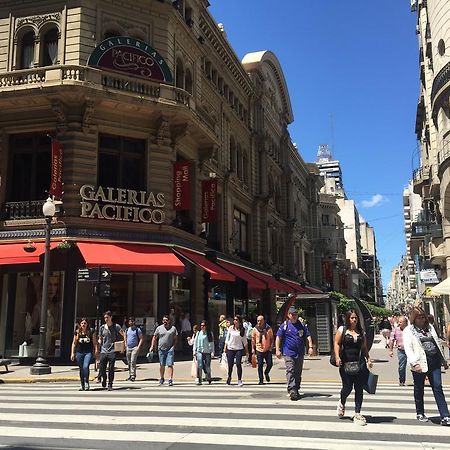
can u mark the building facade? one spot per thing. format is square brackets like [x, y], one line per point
[179, 175]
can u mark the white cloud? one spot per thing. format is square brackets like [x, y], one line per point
[376, 200]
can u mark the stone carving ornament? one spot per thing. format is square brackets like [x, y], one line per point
[39, 20]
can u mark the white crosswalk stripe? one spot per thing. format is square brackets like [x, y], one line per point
[214, 417]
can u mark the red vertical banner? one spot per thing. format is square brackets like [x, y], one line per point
[209, 201]
[182, 185]
[56, 184]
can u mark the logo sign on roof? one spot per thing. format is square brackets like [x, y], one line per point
[132, 57]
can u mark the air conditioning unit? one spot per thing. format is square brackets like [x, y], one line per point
[413, 5]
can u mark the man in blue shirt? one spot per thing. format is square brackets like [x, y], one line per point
[134, 339]
[290, 342]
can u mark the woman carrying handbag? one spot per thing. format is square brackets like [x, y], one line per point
[352, 355]
[425, 359]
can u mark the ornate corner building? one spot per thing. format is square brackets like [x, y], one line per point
[179, 175]
[430, 231]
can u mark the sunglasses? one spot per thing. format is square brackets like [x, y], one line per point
[203, 324]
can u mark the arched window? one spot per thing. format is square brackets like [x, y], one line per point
[27, 51]
[49, 49]
[179, 74]
[188, 81]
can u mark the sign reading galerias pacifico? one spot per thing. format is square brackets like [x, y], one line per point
[131, 57]
[122, 204]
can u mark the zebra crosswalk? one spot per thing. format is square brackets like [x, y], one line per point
[217, 416]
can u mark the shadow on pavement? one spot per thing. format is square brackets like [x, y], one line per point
[380, 419]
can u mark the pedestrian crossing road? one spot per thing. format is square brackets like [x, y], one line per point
[143, 415]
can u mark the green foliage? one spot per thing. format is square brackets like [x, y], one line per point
[378, 310]
[345, 304]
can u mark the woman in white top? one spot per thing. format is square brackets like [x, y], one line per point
[425, 359]
[235, 345]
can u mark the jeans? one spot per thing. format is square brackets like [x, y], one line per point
[294, 369]
[110, 360]
[261, 356]
[402, 360]
[434, 377]
[132, 354]
[231, 355]
[83, 361]
[221, 346]
[353, 381]
[204, 364]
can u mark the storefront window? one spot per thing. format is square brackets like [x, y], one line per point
[179, 299]
[22, 335]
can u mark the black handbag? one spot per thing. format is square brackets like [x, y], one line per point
[332, 355]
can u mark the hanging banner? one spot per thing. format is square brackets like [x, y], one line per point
[56, 184]
[182, 185]
[209, 201]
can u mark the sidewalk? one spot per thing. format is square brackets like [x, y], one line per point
[316, 369]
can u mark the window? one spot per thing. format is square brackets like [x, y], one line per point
[179, 75]
[26, 52]
[441, 47]
[49, 50]
[121, 162]
[245, 168]
[232, 155]
[29, 167]
[188, 81]
[240, 232]
[325, 219]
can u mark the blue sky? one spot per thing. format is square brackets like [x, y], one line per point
[352, 72]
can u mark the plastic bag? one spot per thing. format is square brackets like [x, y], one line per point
[194, 368]
[224, 361]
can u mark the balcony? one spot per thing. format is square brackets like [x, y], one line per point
[443, 153]
[421, 229]
[440, 81]
[420, 176]
[22, 210]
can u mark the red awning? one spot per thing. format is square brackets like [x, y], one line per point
[302, 289]
[216, 272]
[241, 273]
[15, 254]
[130, 257]
[272, 282]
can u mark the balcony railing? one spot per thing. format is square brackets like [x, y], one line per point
[444, 152]
[421, 174]
[421, 229]
[440, 80]
[22, 210]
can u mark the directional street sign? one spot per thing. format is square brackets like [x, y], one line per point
[94, 274]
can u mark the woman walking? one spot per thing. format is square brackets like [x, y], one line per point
[235, 345]
[351, 353]
[425, 359]
[203, 351]
[84, 347]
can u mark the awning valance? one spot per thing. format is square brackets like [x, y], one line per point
[130, 257]
[271, 282]
[216, 272]
[242, 273]
[443, 288]
[11, 254]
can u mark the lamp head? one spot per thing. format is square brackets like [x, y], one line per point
[49, 208]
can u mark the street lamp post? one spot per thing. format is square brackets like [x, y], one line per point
[41, 366]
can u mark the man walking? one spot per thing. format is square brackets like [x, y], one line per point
[166, 335]
[108, 334]
[222, 334]
[290, 342]
[397, 338]
[262, 343]
[133, 341]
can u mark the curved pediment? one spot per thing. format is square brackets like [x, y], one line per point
[268, 65]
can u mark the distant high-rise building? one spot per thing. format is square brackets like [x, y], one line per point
[328, 167]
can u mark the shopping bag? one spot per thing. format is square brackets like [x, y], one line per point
[194, 368]
[224, 361]
[371, 384]
[119, 346]
[254, 362]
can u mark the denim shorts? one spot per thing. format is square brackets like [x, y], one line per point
[166, 357]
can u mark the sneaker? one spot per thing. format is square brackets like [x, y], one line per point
[209, 381]
[267, 378]
[340, 410]
[359, 419]
[81, 388]
[110, 388]
[228, 381]
[198, 382]
[161, 381]
[422, 418]
[240, 383]
[261, 382]
[293, 396]
[401, 384]
[87, 387]
[170, 382]
[128, 379]
[445, 421]
[132, 379]
[103, 382]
